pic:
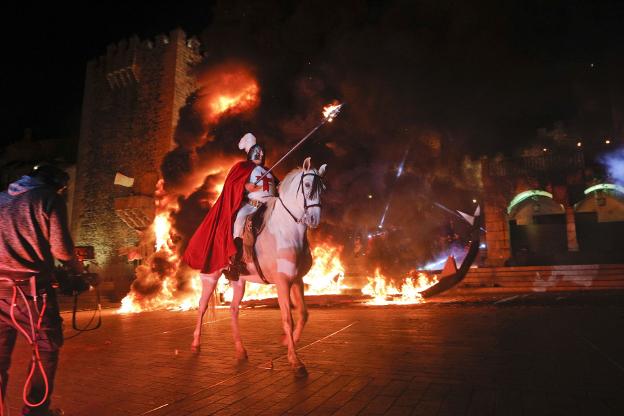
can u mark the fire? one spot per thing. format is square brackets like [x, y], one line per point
[324, 278]
[168, 297]
[330, 111]
[159, 277]
[157, 282]
[384, 292]
[162, 228]
[327, 273]
[227, 90]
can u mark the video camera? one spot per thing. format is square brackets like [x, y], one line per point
[70, 283]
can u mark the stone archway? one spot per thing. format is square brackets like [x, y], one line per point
[537, 229]
[599, 219]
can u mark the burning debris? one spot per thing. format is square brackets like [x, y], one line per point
[384, 292]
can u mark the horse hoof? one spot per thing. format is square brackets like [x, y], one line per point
[300, 372]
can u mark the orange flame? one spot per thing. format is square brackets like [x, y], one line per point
[384, 292]
[328, 111]
[227, 90]
[324, 278]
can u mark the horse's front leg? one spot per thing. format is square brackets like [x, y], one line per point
[283, 298]
[239, 291]
[209, 282]
[298, 301]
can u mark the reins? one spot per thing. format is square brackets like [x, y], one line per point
[317, 188]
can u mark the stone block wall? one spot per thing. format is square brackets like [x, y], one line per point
[130, 107]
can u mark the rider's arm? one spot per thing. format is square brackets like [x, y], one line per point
[250, 187]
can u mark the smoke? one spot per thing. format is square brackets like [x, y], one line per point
[291, 61]
[304, 57]
[614, 162]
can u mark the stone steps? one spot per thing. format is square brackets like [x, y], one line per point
[544, 278]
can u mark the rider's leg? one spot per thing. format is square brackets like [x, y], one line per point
[237, 266]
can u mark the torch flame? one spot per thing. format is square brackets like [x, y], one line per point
[330, 111]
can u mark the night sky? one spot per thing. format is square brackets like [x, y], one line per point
[486, 75]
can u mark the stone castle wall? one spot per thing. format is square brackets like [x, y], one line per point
[130, 108]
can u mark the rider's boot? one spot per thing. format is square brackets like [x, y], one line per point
[237, 266]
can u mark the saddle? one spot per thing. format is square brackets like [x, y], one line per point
[254, 224]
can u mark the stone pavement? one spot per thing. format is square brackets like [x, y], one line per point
[556, 355]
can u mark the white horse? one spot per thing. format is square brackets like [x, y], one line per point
[280, 249]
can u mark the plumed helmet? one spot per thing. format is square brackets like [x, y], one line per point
[246, 142]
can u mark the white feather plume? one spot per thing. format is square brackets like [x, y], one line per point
[246, 142]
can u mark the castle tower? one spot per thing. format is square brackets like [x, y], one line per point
[130, 108]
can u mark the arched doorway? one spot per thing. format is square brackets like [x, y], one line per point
[599, 221]
[537, 228]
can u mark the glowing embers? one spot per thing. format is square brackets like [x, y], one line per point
[384, 292]
[227, 90]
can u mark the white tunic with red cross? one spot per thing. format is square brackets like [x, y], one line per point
[267, 183]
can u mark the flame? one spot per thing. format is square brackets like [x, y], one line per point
[227, 90]
[327, 273]
[384, 292]
[157, 284]
[324, 278]
[329, 109]
[160, 284]
[168, 297]
[162, 228]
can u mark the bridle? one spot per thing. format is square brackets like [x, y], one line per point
[317, 187]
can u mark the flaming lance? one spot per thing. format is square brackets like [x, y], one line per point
[329, 113]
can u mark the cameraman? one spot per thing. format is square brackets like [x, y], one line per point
[33, 232]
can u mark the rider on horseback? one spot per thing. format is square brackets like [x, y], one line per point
[256, 196]
[217, 243]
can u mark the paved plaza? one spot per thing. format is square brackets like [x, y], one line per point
[516, 355]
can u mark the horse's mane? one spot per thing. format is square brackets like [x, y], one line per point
[288, 179]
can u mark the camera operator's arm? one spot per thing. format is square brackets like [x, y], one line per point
[61, 243]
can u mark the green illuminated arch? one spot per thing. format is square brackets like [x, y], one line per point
[604, 187]
[525, 195]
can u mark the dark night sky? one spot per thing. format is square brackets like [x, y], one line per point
[488, 73]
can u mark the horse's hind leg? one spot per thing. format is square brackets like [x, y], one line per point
[239, 291]
[296, 296]
[209, 282]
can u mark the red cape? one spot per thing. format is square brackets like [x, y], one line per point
[212, 245]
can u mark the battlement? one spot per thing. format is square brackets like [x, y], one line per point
[119, 64]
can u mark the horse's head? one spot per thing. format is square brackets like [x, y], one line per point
[312, 186]
[302, 188]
